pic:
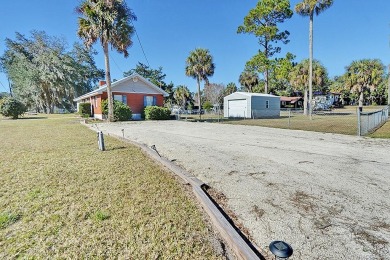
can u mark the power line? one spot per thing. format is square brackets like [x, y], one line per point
[3, 86]
[116, 64]
[142, 48]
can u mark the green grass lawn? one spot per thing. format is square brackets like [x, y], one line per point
[383, 132]
[60, 197]
[345, 124]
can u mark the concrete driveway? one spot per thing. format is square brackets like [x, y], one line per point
[325, 194]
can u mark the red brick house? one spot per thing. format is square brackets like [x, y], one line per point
[135, 91]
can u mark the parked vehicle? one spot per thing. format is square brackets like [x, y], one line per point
[177, 110]
[196, 111]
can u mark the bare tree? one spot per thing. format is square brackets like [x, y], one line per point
[214, 93]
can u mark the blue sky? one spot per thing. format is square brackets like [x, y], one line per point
[170, 29]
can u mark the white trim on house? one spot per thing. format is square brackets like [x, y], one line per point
[136, 117]
[133, 117]
[98, 116]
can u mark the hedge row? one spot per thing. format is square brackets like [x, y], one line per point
[85, 109]
[157, 113]
[122, 112]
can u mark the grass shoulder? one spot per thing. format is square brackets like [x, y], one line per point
[63, 198]
[382, 132]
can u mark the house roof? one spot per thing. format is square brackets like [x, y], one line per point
[134, 77]
[290, 99]
[320, 93]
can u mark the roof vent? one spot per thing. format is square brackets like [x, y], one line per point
[135, 79]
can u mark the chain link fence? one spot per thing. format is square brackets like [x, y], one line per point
[369, 121]
[340, 120]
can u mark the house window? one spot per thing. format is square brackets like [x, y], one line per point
[267, 104]
[121, 98]
[149, 101]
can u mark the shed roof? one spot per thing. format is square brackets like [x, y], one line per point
[247, 94]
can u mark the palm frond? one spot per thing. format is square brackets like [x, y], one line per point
[107, 20]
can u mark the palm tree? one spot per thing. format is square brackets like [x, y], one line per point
[200, 66]
[308, 8]
[110, 22]
[364, 75]
[248, 79]
[299, 78]
[230, 88]
[181, 95]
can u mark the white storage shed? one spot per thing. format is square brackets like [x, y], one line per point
[251, 105]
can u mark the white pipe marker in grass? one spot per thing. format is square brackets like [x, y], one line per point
[100, 141]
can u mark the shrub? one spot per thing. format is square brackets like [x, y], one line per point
[85, 109]
[122, 112]
[157, 113]
[11, 107]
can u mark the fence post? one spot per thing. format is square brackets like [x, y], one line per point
[388, 89]
[289, 117]
[358, 122]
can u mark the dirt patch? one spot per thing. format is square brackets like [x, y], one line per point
[222, 200]
[303, 201]
[258, 212]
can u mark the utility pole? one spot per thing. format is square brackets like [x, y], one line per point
[388, 87]
[10, 87]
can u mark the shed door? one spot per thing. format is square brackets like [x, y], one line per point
[237, 108]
